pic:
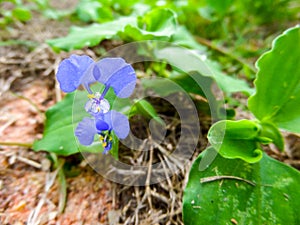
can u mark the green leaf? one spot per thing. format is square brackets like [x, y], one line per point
[90, 35]
[146, 109]
[93, 11]
[277, 96]
[235, 192]
[158, 24]
[21, 14]
[236, 139]
[61, 121]
[58, 134]
[199, 66]
[220, 6]
[176, 82]
[184, 38]
[271, 131]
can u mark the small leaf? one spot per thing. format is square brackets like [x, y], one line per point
[233, 190]
[93, 11]
[93, 34]
[271, 131]
[236, 139]
[146, 109]
[158, 24]
[277, 96]
[21, 14]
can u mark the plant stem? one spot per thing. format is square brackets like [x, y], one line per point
[20, 144]
[30, 102]
[226, 52]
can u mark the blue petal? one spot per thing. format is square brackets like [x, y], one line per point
[85, 131]
[118, 123]
[101, 125]
[73, 71]
[116, 73]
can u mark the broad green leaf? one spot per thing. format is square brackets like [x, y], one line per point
[58, 134]
[199, 66]
[227, 83]
[158, 24]
[62, 119]
[235, 192]
[236, 139]
[277, 96]
[168, 86]
[90, 35]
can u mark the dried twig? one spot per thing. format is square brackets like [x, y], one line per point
[214, 178]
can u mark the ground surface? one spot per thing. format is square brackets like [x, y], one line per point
[29, 186]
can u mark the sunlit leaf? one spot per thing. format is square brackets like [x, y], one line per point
[277, 96]
[158, 24]
[90, 35]
[235, 192]
[58, 134]
[93, 11]
[236, 139]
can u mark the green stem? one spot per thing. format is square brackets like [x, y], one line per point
[30, 102]
[225, 52]
[20, 144]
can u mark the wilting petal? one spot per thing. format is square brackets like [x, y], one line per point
[73, 71]
[116, 73]
[118, 123]
[85, 131]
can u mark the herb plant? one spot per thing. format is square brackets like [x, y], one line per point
[233, 181]
[243, 185]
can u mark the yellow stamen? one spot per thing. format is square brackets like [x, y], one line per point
[91, 96]
[101, 138]
[104, 144]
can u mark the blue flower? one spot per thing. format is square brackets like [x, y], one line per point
[112, 72]
[115, 73]
[72, 72]
[103, 126]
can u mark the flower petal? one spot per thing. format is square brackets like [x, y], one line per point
[116, 73]
[118, 123]
[73, 71]
[85, 131]
[101, 125]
